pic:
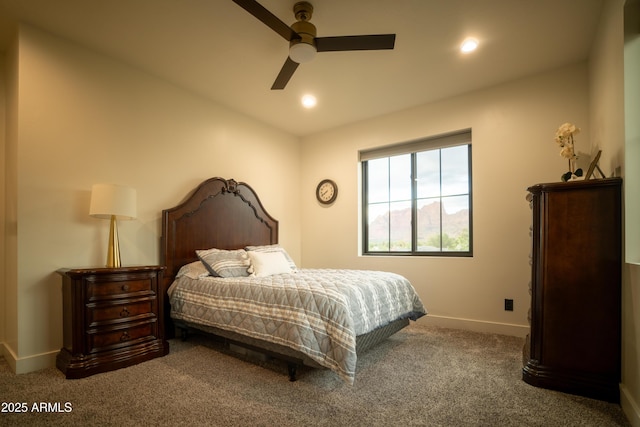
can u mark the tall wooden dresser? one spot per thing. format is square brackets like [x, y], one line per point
[574, 343]
[113, 317]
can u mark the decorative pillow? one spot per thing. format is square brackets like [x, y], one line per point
[273, 248]
[223, 263]
[268, 263]
[193, 270]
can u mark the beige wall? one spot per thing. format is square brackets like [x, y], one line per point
[513, 128]
[607, 93]
[10, 306]
[2, 180]
[85, 119]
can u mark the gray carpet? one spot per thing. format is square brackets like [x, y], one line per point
[422, 376]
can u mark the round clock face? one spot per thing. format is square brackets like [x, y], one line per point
[327, 191]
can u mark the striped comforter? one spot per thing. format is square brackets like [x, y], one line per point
[316, 312]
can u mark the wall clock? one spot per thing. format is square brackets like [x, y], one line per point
[326, 191]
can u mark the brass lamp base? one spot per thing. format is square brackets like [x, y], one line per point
[113, 252]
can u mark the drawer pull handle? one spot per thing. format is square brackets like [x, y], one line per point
[125, 336]
[125, 287]
[124, 312]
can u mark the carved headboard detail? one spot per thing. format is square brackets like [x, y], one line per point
[220, 213]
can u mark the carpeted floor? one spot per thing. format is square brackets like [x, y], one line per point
[422, 376]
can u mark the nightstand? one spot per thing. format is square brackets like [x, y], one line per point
[112, 318]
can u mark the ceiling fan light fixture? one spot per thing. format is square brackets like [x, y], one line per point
[303, 49]
[302, 52]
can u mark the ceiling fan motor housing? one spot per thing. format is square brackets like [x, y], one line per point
[306, 30]
[303, 49]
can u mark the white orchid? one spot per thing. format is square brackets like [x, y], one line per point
[564, 138]
[565, 131]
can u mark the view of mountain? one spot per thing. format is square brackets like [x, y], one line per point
[428, 223]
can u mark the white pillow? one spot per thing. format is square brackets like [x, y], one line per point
[268, 263]
[273, 248]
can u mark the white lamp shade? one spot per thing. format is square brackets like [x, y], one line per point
[112, 199]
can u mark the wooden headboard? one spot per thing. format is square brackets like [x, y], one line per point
[220, 213]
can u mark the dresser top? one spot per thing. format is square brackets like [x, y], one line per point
[106, 270]
[574, 185]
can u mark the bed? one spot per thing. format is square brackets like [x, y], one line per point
[263, 302]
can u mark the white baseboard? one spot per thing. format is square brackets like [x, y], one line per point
[23, 365]
[9, 355]
[476, 325]
[630, 407]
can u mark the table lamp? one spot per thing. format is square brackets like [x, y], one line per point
[113, 202]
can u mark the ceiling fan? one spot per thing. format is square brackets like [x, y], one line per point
[303, 43]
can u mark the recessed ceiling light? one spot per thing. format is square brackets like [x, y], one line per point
[468, 45]
[309, 101]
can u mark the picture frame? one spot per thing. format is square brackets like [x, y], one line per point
[593, 166]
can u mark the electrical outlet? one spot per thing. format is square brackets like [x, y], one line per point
[508, 305]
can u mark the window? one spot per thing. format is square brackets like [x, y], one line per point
[417, 197]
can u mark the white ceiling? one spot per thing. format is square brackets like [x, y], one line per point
[218, 50]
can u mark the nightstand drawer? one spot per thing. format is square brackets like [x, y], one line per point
[128, 310]
[106, 340]
[119, 288]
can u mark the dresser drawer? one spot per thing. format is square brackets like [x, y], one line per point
[100, 340]
[120, 288]
[115, 312]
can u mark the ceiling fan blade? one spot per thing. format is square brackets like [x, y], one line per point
[268, 18]
[370, 42]
[285, 74]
